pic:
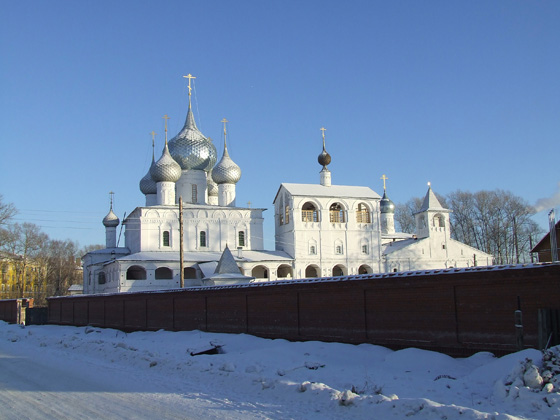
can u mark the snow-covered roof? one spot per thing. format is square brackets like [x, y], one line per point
[317, 190]
[354, 277]
[249, 256]
[397, 236]
[391, 247]
[431, 203]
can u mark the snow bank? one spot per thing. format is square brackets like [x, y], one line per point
[254, 378]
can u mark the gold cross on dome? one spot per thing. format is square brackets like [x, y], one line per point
[224, 121]
[249, 204]
[323, 129]
[153, 133]
[190, 77]
[384, 178]
[111, 194]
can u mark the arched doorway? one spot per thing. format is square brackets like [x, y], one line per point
[338, 270]
[365, 269]
[311, 271]
[285, 271]
[260, 272]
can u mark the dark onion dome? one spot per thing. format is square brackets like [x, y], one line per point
[191, 149]
[226, 171]
[111, 220]
[386, 205]
[212, 186]
[165, 169]
[324, 158]
[147, 184]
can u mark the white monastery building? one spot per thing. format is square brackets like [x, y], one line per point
[322, 230]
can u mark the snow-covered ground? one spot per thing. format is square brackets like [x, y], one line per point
[55, 372]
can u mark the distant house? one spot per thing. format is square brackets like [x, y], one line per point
[543, 249]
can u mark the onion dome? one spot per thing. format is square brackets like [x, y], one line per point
[212, 186]
[147, 184]
[226, 171]
[191, 149]
[111, 220]
[324, 158]
[165, 169]
[386, 205]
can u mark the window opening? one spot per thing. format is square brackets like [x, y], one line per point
[336, 213]
[166, 238]
[202, 238]
[241, 238]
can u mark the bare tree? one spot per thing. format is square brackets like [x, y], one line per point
[7, 211]
[23, 244]
[62, 267]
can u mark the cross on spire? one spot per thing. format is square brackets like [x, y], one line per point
[111, 194]
[225, 131]
[165, 117]
[384, 178]
[190, 77]
[323, 129]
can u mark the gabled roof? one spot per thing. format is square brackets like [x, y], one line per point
[317, 190]
[431, 203]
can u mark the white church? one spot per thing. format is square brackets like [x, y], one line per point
[321, 230]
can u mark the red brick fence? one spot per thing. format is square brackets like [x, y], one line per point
[457, 311]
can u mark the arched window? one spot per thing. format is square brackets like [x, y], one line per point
[336, 213]
[164, 273]
[241, 238]
[166, 238]
[338, 249]
[136, 273]
[312, 250]
[101, 277]
[309, 213]
[202, 238]
[362, 215]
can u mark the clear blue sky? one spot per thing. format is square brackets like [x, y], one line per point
[463, 94]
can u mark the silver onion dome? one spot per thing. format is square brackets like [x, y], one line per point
[226, 171]
[165, 169]
[111, 220]
[386, 205]
[212, 186]
[191, 149]
[147, 184]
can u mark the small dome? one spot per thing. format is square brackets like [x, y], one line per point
[212, 186]
[386, 205]
[324, 158]
[165, 169]
[226, 171]
[191, 149]
[147, 184]
[111, 220]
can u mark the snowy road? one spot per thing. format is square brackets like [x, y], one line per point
[34, 387]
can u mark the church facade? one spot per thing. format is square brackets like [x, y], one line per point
[320, 230]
